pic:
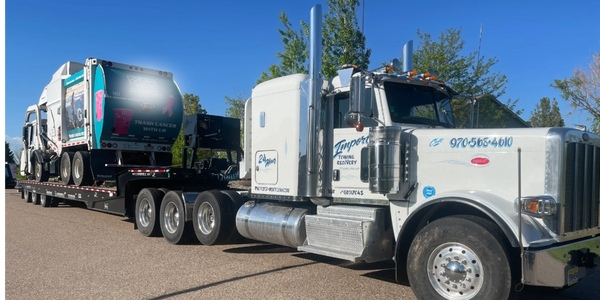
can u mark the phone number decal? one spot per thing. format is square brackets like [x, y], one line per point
[497, 142]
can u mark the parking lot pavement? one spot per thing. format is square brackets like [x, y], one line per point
[68, 252]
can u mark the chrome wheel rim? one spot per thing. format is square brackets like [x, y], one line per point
[77, 169]
[38, 170]
[145, 212]
[43, 200]
[171, 218]
[455, 271]
[65, 168]
[206, 218]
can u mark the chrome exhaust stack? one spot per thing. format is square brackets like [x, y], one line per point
[407, 57]
[314, 105]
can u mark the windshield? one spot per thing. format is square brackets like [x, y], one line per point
[418, 104]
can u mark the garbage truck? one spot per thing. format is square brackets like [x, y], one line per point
[99, 117]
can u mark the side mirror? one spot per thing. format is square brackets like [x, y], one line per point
[357, 102]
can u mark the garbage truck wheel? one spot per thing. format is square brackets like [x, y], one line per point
[41, 175]
[82, 173]
[65, 167]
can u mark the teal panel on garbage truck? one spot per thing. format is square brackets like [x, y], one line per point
[131, 106]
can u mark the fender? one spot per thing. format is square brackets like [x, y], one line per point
[38, 155]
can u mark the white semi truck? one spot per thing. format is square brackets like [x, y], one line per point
[362, 167]
[99, 117]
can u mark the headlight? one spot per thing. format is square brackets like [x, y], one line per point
[537, 206]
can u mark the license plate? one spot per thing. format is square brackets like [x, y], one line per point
[573, 277]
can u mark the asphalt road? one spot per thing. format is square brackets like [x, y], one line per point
[68, 252]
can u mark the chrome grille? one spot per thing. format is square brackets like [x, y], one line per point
[582, 185]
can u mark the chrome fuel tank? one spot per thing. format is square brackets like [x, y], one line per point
[273, 223]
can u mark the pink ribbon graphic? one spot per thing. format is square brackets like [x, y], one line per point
[169, 107]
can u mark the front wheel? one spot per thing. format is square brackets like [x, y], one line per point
[41, 172]
[460, 257]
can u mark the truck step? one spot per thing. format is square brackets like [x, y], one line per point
[353, 233]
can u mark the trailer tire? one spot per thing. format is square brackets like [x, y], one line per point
[82, 173]
[41, 175]
[45, 201]
[172, 219]
[22, 193]
[146, 211]
[35, 199]
[237, 201]
[213, 221]
[65, 167]
[28, 196]
[460, 257]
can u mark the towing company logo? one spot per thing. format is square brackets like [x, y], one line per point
[262, 159]
[345, 146]
[435, 142]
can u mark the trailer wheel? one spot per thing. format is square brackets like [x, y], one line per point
[459, 257]
[28, 196]
[35, 199]
[22, 193]
[146, 211]
[82, 173]
[213, 221]
[236, 202]
[45, 201]
[41, 175]
[172, 219]
[65, 167]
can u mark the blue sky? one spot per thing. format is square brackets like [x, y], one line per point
[219, 48]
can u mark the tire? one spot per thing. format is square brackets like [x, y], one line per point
[28, 196]
[460, 257]
[236, 202]
[65, 167]
[213, 221]
[45, 201]
[41, 175]
[172, 219]
[35, 199]
[146, 211]
[22, 193]
[81, 172]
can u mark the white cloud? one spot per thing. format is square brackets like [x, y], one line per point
[15, 142]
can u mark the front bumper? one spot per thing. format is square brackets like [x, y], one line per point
[562, 265]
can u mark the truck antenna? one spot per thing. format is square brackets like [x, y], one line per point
[477, 70]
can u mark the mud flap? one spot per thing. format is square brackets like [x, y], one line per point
[98, 161]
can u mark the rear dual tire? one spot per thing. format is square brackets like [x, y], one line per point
[75, 168]
[214, 217]
[147, 207]
[173, 226]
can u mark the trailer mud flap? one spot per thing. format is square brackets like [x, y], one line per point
[98, 161]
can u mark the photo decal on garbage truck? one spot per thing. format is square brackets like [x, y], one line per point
[74, 105]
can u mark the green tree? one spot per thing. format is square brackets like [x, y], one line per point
[343, 43]
[468, 75]
[546, 115]
[9, 156]
[582, 91]
[235, 109]
[191, 105]
[295, 51]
